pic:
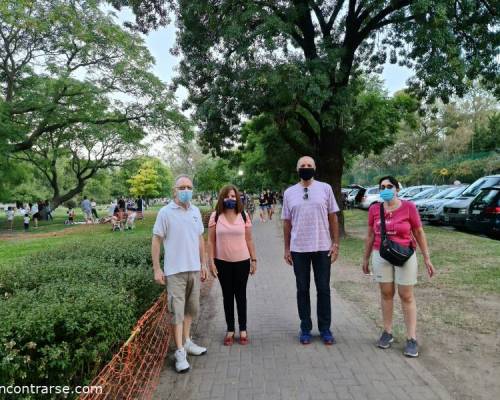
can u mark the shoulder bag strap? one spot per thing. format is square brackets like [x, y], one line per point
[383, 233]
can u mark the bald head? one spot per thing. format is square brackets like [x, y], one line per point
[306, 162]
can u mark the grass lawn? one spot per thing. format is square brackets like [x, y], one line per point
[463, 260]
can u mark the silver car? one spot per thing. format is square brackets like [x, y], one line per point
[433, 210]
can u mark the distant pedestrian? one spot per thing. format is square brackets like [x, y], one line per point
[93, 205]
[35, 213]
[26, 222]
[48, 209]
[263, 206]
[87, 210]
[311, 235]
[10, 218]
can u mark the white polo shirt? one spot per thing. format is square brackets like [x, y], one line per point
[180, 230]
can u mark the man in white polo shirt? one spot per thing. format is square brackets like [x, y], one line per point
[179, 226]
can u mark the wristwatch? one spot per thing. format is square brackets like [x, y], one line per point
[254, 259]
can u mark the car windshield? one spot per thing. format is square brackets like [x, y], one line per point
[373, 190]
[455, 193]
[442, 193]
[425, 194]
[474, 189]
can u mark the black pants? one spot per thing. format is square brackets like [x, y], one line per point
[233, 278]
[321, 269]
[94, 213]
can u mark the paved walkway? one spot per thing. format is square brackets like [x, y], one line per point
[275, 366]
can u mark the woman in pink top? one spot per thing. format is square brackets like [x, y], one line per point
[232, 257]
[403, 226]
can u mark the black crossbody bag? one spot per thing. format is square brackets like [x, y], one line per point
[389, 250]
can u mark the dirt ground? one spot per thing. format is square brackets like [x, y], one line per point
[459, 333]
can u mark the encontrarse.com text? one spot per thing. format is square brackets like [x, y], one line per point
[34, 389]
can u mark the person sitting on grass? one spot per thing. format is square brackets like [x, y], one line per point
[116, 219]
[130, 223]
[71, 216]
[26, 222]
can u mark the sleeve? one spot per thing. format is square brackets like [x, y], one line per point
[211, 221]
[200, 223]
[371, 216]
[285, 210]
[414, 216]
[333, 207]
[161, 225]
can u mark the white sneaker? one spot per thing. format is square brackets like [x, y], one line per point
[181, 363]
[193, 349]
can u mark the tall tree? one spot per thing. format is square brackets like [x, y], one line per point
[304, 57]
[76, 85]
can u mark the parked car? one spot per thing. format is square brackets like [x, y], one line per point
[411, 191]
[484, 212]
[441, 194]
[433, 210]
[429, 194]
[455, 212]
[371, 196]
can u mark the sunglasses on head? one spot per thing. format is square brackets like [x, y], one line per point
[389, 186]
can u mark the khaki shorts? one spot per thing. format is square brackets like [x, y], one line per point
[183, 291]
[385, 272]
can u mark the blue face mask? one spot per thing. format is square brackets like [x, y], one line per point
[185, 196]
[387, 194]
[230, 204]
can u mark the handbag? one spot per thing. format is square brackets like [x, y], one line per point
[389, 250]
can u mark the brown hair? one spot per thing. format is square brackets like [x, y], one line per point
[224, 192]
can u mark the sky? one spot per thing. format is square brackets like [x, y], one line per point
[162, 40]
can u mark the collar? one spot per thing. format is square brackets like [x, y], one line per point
[174, 205]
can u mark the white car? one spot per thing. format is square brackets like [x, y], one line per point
[371, 196]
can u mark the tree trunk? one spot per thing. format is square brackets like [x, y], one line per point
[330, 165]
[58, 200]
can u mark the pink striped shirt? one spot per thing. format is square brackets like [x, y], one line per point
[310, 227]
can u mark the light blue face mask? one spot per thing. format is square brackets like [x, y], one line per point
[387, 194]
[185, 196]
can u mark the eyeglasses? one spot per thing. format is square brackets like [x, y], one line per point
[306, 194]
[184, 187]
[382, 187]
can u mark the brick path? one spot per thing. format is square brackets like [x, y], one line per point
[275, 366]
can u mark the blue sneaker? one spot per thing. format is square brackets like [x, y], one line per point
[411, 348]
[327, 337]
[385, 340]
[305, 337]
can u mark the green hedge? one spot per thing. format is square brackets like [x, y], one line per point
[65, 312]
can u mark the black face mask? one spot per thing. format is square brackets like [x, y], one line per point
[306, 173]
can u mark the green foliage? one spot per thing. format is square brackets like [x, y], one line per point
[153, 179]
[212, 173]
[77, 95]
[64, 312]
[70, 204]
[303, 65]
[487, 137]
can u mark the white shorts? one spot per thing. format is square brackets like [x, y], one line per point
[385, 272]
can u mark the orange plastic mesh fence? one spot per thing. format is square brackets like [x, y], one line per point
[134, 371]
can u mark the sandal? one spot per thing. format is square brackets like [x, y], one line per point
[243, 340]
[228, 340]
